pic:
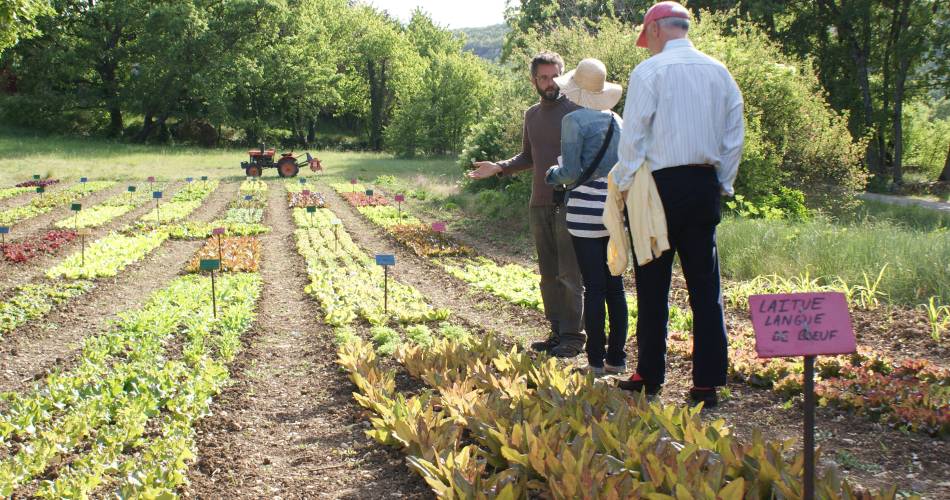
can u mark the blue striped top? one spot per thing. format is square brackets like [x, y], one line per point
[585, 209]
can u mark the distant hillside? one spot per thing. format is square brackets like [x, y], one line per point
[485, 42]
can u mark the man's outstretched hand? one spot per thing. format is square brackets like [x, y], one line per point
[484, 169]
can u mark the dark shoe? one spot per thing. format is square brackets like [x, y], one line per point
[547, 344]
[564, 350]
[637, 385]
[707, 396]
[554, 338]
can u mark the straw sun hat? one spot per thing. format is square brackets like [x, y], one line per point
[587, 86]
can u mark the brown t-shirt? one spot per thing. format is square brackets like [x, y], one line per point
[540, 146]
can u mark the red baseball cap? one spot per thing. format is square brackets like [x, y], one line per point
[660, 11]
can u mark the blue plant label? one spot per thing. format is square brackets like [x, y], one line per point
[83, 180]
[189, 179]
[385, 259]
[156, 194]
[303, 181]
[248, 197]
[4, 230]
[209, 264]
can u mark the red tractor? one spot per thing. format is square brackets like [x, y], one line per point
[287, 165]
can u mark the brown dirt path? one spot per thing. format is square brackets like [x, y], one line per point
[30, 352]
[14, 274]
[287, 427]
[477, 308]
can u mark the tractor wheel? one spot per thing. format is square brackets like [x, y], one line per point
[287, 167]
[253, 171]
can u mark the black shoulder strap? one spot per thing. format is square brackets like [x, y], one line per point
[589, 171]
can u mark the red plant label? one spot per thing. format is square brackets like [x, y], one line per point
[400, 198]
[438, 227]
[801, 324]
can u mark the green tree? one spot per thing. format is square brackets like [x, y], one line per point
[18, 20]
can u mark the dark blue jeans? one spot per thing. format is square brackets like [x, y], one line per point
[600, 289]
[691, 202]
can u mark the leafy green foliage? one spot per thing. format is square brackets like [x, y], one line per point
[108, 256]
[42, 203]
[498, 424]
[347, 283]
[122, 379]
[33, 301]
[18, 20]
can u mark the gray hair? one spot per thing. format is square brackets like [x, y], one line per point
[673, 22]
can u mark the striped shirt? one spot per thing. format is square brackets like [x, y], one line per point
[683, 108]
[585, 209]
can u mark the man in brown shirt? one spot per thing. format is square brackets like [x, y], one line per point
[561, 286]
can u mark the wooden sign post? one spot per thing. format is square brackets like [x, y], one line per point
[385, 260]
[157, 195]
[399, 199]
[211, 265]
[803, 324]
[77, 207]
[219, 231]
[310, 212]
[336, 233]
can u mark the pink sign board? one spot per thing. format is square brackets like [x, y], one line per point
[438, 227]
[305, 192]
[352, 181]
[151, 179]
[217, 231]
[801, 324]
[400, 198]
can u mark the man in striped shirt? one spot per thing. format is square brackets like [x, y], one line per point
[683, 120]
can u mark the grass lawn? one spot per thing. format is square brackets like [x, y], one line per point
[914, 243]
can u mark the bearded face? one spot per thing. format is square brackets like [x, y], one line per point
[544, 81]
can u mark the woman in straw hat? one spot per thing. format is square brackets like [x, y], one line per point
[589, 139]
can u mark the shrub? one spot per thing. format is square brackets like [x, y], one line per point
[793, 137]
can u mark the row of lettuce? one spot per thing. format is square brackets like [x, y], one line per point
[120, 422]
[493, 421]
[912, 394]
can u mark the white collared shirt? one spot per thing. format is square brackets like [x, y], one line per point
[683, 108]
